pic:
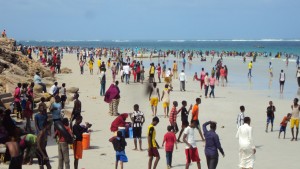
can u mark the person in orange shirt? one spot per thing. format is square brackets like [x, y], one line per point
[195, 114]
[283, 124]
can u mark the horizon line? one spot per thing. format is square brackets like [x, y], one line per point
[172, 40]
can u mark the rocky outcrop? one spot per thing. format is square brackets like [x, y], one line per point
[17, 68]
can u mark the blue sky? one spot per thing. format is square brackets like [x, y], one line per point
[150, 19]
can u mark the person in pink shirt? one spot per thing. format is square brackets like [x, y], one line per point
[170, 140]
[158, 68]
[202, 76]
[212, 82]
[222, 75]
[17, 100]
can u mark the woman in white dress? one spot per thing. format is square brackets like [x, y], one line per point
[247, 149]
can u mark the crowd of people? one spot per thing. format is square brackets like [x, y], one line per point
[26, 143]
[33, 142]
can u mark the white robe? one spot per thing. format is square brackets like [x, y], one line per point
[246, 154]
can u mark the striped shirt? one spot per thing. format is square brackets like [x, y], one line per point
[173, 115]
[138, 118]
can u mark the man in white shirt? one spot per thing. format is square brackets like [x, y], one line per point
[247, 149]
[191, 150]
[38, 80]
[281, 80]
[182, 79]
[126, 70]
[240, 117]
[54, 89]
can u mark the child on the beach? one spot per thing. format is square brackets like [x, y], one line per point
[184, 118]
[170, 140]
[195, 76]
[173, 116]
[283, 124]
[119, 144]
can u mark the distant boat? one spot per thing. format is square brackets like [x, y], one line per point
[260, 46]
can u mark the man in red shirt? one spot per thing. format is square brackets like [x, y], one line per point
[170, 140]
[195, 114]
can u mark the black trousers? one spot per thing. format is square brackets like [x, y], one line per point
[212, 162]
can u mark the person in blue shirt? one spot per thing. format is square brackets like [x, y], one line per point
[55, 109]
[212, 145]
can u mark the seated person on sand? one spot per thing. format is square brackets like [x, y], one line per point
[120, 121]
[38, 80]
[203, 59]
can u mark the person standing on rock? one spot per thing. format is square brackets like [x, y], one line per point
[3, 34]
[38, 80]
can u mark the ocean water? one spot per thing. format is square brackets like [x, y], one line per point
[274, 46]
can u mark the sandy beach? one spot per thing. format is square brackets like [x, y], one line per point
[271, 151]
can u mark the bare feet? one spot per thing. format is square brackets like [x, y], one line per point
[135, 149]
[292, 139]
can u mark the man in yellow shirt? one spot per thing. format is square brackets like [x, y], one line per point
[250, 69]
[151, 73]
[152, 144]
[175, 69]
[99, 64]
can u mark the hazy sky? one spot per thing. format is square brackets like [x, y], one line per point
[150, 19]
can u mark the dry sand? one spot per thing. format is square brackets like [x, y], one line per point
[271, 151]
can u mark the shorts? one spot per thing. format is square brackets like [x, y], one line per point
[166, 104]
[137, 132]
[16, 162]
[77, 147]
[192, 155]
[153, 152]
[184, 124]
[167, 79]
[281, 82]
[63, 98]
[18, 106]
[270, 119]
[153, 101]
[294, 122]
[152, 75]
[282, 128]
[197, 124]
[175, 126]
[121, 156]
